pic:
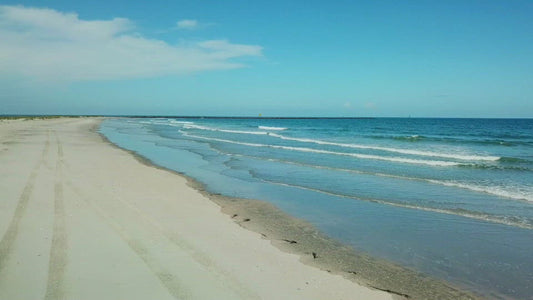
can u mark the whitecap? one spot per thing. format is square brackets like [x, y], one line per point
[193, 126]
[272, 128]
[356, 155]
[388, 149]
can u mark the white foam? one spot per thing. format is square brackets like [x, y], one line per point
[180, 122]
[354, 146]
[387, 149]
[356, 155]
[160, 122]
[467, 214]
[271, 128]
[191, 126]
[493, 190]
[516, 194]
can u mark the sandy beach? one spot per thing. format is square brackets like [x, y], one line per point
[81, 219]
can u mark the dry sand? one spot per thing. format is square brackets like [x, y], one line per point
[81, 219]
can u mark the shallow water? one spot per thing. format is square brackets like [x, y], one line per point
[452, 198]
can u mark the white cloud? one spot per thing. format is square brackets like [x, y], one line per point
[50, 45]
[187, 24]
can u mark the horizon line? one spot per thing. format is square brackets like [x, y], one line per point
[243, 117]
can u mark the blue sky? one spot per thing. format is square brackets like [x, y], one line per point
[275, 58]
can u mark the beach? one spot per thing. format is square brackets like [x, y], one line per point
[415, 206]
[81, 219]
[266, 150]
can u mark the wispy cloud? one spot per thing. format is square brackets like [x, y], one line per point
[187, 24]
[50, 45]
[370, 105]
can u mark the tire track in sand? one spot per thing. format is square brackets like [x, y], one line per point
[6, 244]
[201, 258]
[58, 249]
[234, 284]
[169, 281]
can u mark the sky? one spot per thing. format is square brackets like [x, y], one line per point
[275, 58]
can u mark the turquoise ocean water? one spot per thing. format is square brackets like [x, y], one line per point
[451, 198]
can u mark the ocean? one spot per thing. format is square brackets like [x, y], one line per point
[450, 198]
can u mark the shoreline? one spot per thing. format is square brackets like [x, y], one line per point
[81, 219]
[296, 236]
